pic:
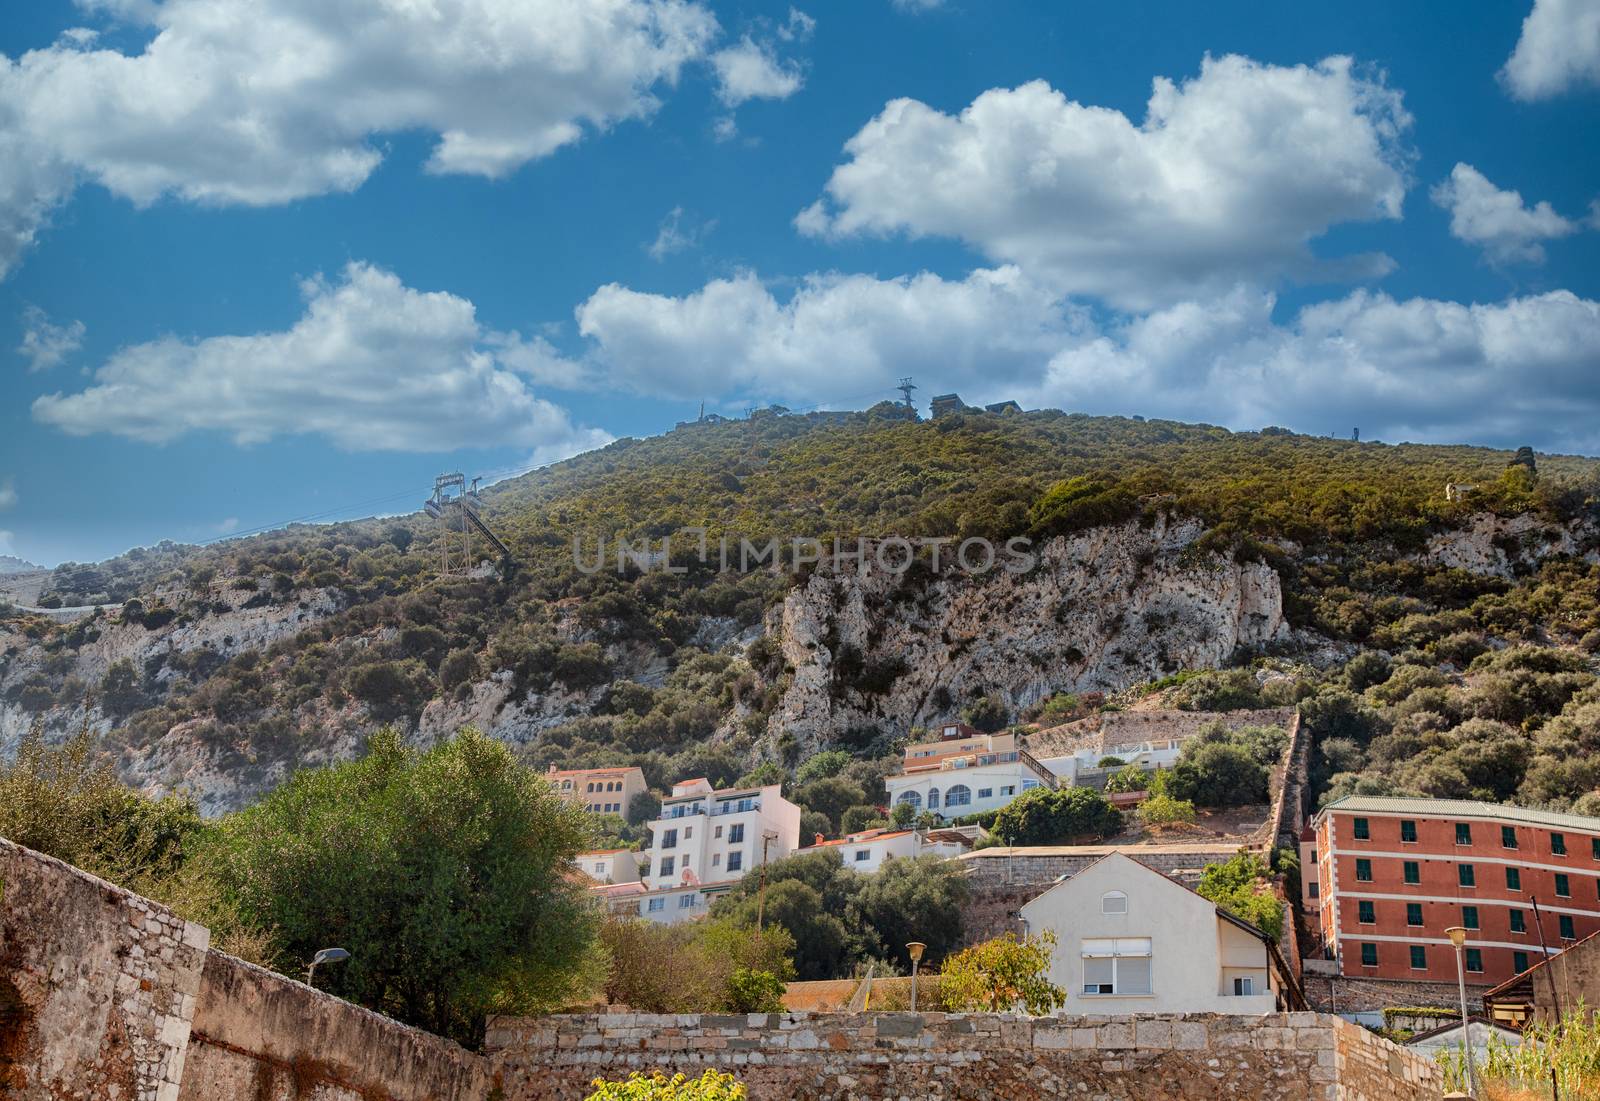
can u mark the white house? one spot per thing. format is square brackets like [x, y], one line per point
[1131, 940]
[609, 865]
[869, 850]
[965, 772]
[704, 836]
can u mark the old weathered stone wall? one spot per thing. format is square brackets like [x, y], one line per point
[1337, 994]
[97, 985]
[261, 1036]
[978, 1057]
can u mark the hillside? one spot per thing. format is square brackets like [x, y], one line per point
[1159, 547]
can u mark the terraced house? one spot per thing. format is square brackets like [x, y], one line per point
[965, 772]
[1391, 875]
[599, 790]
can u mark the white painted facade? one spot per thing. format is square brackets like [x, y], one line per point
[609, 865]
[705, 836]
[965, 772]
[869, 850]
[1130, 940]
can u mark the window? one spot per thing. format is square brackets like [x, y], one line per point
[959, 795]
[1469, 917]
[1009, 789]
[863, 854]
[1244, 987]
[1475, 959]
[1558, 844]
[1566, 928]
[1594, 847]
[669, 839]
[1508, 837]
[656, 905]
[1413, 913]
[1408, 832]
[1463, 833]
[1363, 870]
[667, 865]
[1369, 954]
[716, 860]
[1316, 888]
[591, 786]
[1413, 872]
[1513, 879]
[1360, 829]
[686, 860]
[911, 798]
[1466, 875]
[736, 834]
[1519, 962]
[1366, 912]
[600, 867]
[1519, 922]
[933, 798]
[1419, 958]
[735, 861]
[716, 834]
[688, 832]
[1120, 966]
[986, 793]
[1114, 902]
[1563, 886]
[686, 902]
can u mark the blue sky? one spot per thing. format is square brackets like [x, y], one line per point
[269, 260]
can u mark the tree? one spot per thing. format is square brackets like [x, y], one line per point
[830, 762]
[718, 966]
[922, 899]
[1003, 974]
[1044, 816]
[1242, 886]
[119, 691]
[902, 814]
[821, 941]
[445, 873]
[1127, 778]
[710, 1086]
[1218, 774]
[1164, 810]
[763, 775]
[830, 796]
[861, 817]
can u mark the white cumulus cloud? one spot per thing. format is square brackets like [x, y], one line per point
[266, 101]
[1229, 178]
[1497, 221]
[752, 70]
[8, 493]
[45, 345]
[371, 365]
[1559, 50]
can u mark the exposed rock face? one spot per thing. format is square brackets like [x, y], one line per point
[1101, 610]
[1503, 546]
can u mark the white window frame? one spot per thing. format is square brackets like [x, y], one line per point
[1244, 986]
[1117, 949]
[1109, 901]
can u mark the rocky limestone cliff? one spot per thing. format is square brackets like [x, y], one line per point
[1101, 610]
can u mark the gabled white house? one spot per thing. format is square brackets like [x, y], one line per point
[704, 836]
[1131, 940]
[609, 865]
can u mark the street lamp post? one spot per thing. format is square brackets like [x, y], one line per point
[327, 955]
[1458, 937]
[915, 949]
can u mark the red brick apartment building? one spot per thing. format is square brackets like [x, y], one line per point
[1393, 874]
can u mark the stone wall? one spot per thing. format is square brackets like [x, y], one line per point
[261, 1036]
[978, 1057]
[1337, 994]
[97, 985]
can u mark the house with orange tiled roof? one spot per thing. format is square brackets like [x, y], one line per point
[599, 790]
[869, 850]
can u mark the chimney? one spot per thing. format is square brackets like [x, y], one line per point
[819, 839]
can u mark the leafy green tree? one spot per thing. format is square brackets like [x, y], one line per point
[755, 991]
[1218, 774]
[763, 775]
[1126, 779]
[902, 814]
[1164, 810]
[821, 941]
[862, 817]
[830, 762]
[445, 873]
[644, 807]
[716, 966]
[922, 899]
[1003, 974]
[1045, 816]
[119, 691]
[829, 796]
[710, 1086]
[1242, 886]
[987, 713]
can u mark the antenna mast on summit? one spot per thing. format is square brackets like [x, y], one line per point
[905, 387]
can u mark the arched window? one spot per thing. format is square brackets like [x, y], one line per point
[1113, 902]
[911, 798]
[933, 798]
[959, 795]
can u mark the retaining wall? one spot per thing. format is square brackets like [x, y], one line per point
[978, 1057]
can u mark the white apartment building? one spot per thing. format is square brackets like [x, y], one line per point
[705, 836]
[609, 865]
[1131, 940]
[869, 850]
[965, 772]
